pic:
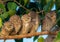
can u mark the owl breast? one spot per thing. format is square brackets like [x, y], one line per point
[26, 26]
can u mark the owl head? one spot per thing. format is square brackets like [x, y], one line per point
[52, 16]
[26, 18]
[8, 26]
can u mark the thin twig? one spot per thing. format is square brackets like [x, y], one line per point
[40, 11]
[21, 5]
[28, 35]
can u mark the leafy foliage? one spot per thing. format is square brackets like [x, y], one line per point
[12, 6]
[48, 7]
[57, 4]
[57, 39]
[1, 23]
[58, 17]
[2, 7]
[7, 14]
[41, 39]
[26, 2]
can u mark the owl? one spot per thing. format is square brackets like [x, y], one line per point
[35, 20]
[49, 21]
[16, 21]
[26, 24]
[7, 28]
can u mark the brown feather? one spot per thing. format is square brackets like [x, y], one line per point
[49, 21]
[35, 21]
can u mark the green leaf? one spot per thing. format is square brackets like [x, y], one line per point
[11, 12]
[47, 8]
[4, 15]
[18, 40]
[49, 0]
[26, 2]
[2, 8]
[7, 14]
[41, 39]
[11, 5]
[1, 22]
[58, 18]
[57, 39]
[58, 35]
[58, 13]
[57, 4]
[41, 3]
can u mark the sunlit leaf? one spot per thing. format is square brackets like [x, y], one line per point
[41, 39]
[0, 22]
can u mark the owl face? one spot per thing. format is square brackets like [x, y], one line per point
[26, 18]
[52, 16]
[14, 19]
[4, 33]
[8, 26]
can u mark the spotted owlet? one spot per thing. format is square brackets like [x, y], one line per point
[16, 21]
[49, 21]
[7, 28]
[35, 21]
[26, 24]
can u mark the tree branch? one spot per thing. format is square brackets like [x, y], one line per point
[21, 5]
[28, 35]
